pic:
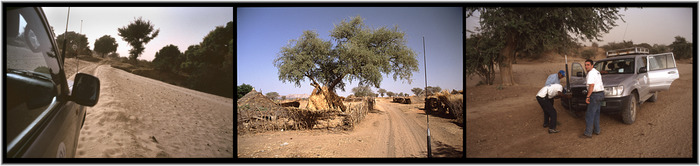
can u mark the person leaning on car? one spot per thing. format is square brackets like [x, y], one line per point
[544, 97]
[555, 79]
[594, 98]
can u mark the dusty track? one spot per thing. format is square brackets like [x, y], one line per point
[508, 123]
[142, 117]
[393, 130]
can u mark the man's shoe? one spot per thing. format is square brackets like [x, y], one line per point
[598, 133]
[545, 125]
[586, 136]
[553, 131]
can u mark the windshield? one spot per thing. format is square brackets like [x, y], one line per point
[615, 66]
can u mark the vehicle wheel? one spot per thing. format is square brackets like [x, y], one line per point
[629, 115]
[653, 97]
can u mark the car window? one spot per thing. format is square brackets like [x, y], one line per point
[31, 70]
[616, 66]
[641, 63]
[658, 62]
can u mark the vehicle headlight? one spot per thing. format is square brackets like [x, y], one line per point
[614, 90]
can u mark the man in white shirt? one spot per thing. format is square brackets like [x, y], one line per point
[544, 98]
[594, 99]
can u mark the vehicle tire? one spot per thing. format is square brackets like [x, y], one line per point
[653, 97]
[630, 115]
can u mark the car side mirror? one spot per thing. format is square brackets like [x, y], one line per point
[86, 89]
[579, 74]
[642, 70]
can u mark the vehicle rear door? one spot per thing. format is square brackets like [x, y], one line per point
[662, 71]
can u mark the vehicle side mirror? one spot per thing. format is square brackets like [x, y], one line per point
[642, 70]
[579, 74]
[86, 89]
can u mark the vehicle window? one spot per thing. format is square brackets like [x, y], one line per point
[641, 63]
[659, 62]
[616, 66]
[31, 70]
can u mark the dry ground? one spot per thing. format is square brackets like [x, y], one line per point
[392, 130]
[143, 118]
[508, 123]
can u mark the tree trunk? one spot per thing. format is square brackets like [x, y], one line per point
[507, 59]
[323, 98]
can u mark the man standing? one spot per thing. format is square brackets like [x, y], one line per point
[544, 96]
[555, 79]
[594, 98]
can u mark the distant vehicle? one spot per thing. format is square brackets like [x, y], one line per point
[44, 111]
[630, 76]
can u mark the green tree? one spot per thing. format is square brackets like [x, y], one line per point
[73, 39]
[243, 89]
[359, 53]
[210, 63]
[382, 92]
[618, 45]
[137, 34]
[658, 48]
[481, 55]
[361, 91]
[105, 44]
[534, 30]
[272, 95]
[168, 59]
[283, 97]
[417, 91]
[390, 94]
[681, 48]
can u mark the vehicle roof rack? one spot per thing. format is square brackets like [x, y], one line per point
[627, 51]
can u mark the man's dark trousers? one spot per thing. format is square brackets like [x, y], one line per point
[550, 114]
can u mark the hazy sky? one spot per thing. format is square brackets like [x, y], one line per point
[643, 25]
[263, 31]
[180, 26]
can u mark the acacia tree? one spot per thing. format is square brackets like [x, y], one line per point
[417, 91]
[381, 92]
[105, 44]
[532, 31]
[390, 94]
[359, 53]
[361, 91]
[137, 34]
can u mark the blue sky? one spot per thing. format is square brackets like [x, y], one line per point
[263, 31]
[652, 25]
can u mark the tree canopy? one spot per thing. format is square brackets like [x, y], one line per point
[272, 95]
[358, 53]
[417, 91]
[73, 39]
[682, 49]
[168, 59]
[137, 34]
[243, 89]
[361, 91]
[106, 44]
[534, 30]
[381, 92]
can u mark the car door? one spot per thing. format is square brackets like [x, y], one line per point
[662, 71]
[40, 121]
[642, 78]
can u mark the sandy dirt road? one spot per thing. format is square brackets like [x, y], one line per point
[141, 117]
[391, 131]
[508, 123]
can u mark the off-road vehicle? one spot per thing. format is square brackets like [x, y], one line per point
[44, 111]
[630, 76]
